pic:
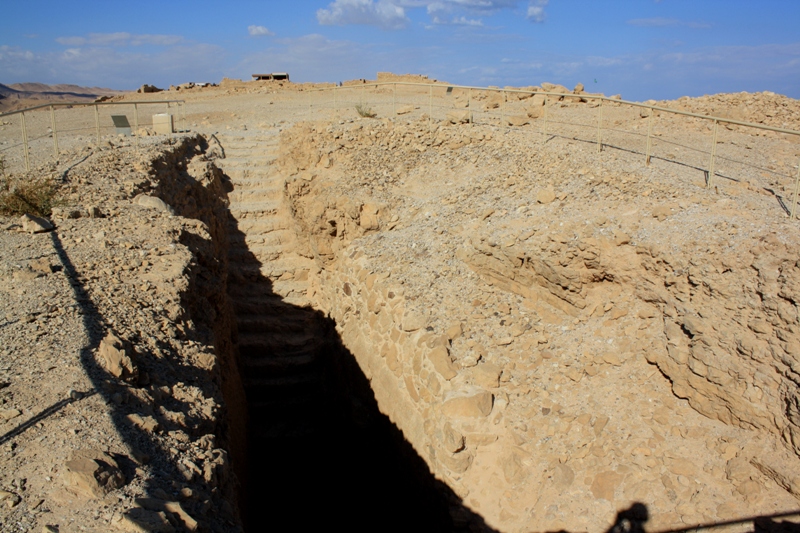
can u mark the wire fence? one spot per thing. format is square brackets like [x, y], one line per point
[707, 144]
[43, 133]
[711, 146]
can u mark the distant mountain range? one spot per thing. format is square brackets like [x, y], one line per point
[21, 95]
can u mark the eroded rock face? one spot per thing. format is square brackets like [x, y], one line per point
[522, 330]
[116, 358]
[93, 473]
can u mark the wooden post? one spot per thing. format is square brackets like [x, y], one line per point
[796, 186]
[55, 133]
[544, 127]
[599, 128]
[97, 123]
[713, 156]
[649, 137]
[25, 143]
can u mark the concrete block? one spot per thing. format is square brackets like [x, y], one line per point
[162, 124]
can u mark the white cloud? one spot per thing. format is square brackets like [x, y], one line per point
[485, 6]
[391, 14]
[114, 66]
[662, 22]
[536, 10]
[383, 14]
[457, 21]
[120, 39]
[13, 53]
[258, 31]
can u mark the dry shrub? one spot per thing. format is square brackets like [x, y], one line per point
[365, 112]
[35, 196]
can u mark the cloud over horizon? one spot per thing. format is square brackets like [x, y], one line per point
[383, 14]
[121, 38]
[259, 31]
[662, 22]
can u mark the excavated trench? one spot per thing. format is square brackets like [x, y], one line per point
[319, 452]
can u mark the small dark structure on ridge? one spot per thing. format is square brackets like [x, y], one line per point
[279, 76]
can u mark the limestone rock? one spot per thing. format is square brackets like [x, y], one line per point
[9, 414]
[605, 484]
[153, 202]
[563, 476]
[545, 196]
[555, 88]
[33, 224]
[517, 120]
[138, 520]
[459, 117]
[661, 212]
[535, 111]
[26, 274]
[164, 506]
[406, 109]
[451, 440]
[412, 321]
[93, 473]
[470, 402]
[148, 89]
[116, 359]
[145, 423]
[486, 375]
[441, 361]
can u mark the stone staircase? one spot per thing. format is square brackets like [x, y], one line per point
[279, 336]
[319, 452]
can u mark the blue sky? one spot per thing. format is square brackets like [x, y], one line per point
[640, 48]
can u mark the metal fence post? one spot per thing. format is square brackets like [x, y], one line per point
[136, 123]
[430, 109]
[25, 143]
[335, 105]
[544, 127]
[97, 123]
[796, 186]
[713, 156]
[169, 122]
[649, 137]
[55, 133]
[469, 106]
[599, 128]
[394, 99]
[503, 108]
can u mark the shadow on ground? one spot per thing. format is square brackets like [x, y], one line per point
[321, 456]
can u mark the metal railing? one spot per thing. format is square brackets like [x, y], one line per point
[77, 122]
[549, 98]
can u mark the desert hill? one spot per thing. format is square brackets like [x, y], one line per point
[20, 95]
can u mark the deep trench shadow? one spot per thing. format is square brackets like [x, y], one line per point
[320, 453]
